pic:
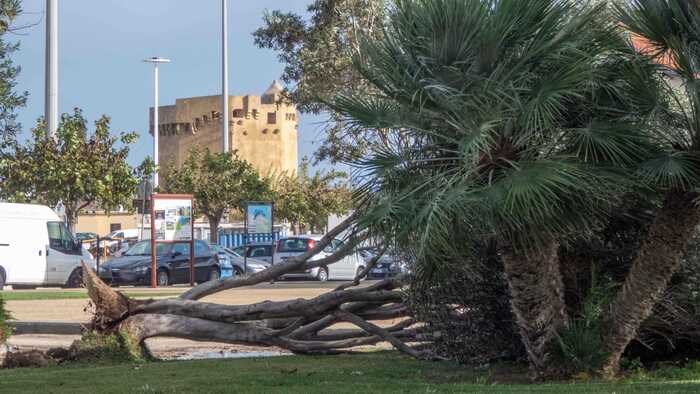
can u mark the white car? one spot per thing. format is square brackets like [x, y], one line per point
[344, 269]
[36, 248]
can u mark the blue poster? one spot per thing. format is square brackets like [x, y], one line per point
[259, 218]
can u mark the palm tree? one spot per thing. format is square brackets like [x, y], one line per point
[506, 119]
[669, 31]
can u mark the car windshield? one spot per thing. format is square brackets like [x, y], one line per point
[238, 251]
[143, 248]
[293, 245]
[259, 251]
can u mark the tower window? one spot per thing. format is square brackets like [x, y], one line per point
[271, 117]
[237, 113]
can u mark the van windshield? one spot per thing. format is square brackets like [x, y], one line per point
[143, 248]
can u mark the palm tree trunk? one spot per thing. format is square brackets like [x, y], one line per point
[537, 300]
[658, 259]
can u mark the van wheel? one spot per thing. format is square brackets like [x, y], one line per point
[322, 275]
[162, 278]
[214, 274]
[75, 280]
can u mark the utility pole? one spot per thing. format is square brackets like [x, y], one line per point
[51, 71]
[155, 60]
[224, 74]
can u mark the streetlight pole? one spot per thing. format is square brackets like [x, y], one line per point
[155, 60]
[224, 73]
[51, 72]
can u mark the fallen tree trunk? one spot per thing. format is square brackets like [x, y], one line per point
[298, 325]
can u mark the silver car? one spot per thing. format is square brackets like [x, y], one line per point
[345, 269]
[240, 265]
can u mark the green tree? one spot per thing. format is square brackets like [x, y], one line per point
[76, 168]
[218, 182]
[307, 200]
[505, 119]
[671, 29]
[318, 62]
[10, 100]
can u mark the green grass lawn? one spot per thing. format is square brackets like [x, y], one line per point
[71, 294]
[358, 373]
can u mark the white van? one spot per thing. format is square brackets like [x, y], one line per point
[36, 248]
[344, 269]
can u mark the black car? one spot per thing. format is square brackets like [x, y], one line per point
[133, 267]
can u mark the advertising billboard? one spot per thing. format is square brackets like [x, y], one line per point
[172, 219]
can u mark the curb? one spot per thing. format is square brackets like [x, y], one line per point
[46, 327]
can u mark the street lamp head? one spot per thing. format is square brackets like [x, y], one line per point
[156, 59]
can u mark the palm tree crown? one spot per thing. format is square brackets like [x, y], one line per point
[517, 118]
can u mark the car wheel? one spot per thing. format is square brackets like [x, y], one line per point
[322, 275]
[359, 271]
[214, 274]
[238, 270]
[75, 280]
[162, 278]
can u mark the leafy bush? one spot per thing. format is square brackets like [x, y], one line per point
[581, 344]
[5, 329]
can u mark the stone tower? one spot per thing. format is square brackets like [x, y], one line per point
[263, 129]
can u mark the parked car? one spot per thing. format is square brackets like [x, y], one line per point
[240, 265]
[259, 251]
[173, 264]
[36, 248]
[388, 266]
[346, 268]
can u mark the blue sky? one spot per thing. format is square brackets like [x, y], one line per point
[102, 44]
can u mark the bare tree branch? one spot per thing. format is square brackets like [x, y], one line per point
[275, 270]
